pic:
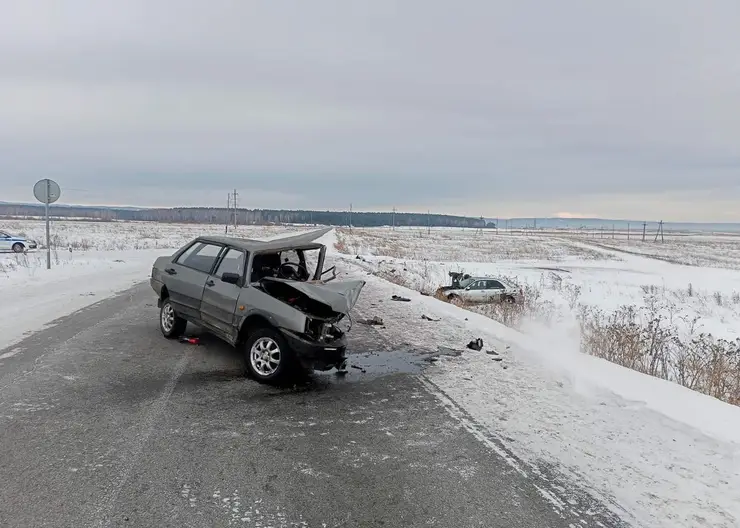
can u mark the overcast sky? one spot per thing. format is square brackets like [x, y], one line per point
[626, 109]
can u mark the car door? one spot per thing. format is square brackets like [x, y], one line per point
[474, 293]
[494, 290]
[187, 275]
[218, 305]
[5, 244]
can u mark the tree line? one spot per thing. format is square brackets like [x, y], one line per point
[215, 215]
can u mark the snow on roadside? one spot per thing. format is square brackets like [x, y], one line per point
[34, 296]
[668, 455]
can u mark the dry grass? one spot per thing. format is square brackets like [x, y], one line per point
[698, 361]
[463, 245]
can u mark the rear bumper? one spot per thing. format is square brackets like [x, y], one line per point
[157, 287]
[314, 355]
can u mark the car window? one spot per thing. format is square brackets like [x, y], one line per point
[202, 258]
[479, 285]
[183, 257]
[495, 285]
[465, 283]
[231, 262]
[4, 235]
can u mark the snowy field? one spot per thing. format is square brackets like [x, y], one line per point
[105, 257]
[668, 455]
[664, 455]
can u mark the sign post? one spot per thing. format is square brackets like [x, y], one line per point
[47, 192]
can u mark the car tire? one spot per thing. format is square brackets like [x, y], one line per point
[509, 299]
[268, 357]
[171, 325]
[18, 247]
[453, 298]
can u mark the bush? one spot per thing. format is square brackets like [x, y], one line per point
[640, 340]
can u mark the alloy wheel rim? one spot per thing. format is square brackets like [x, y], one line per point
[265, 356]
[168, 317]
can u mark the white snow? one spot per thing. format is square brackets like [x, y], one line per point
[107, 257]
[668, 455]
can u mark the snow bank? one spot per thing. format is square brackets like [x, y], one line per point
[668, 455]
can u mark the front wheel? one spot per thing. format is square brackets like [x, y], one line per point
[171, 325]
[18, 248]
[268, 356]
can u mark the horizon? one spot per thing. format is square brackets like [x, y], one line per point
[497, 220]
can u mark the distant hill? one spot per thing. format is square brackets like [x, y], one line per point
[608, 224]
[222, 215]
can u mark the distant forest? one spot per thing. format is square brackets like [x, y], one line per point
[205, 215]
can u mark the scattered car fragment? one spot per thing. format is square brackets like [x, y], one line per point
[476, 344]
[260, 297]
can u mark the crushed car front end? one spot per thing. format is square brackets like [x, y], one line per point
[310, 316]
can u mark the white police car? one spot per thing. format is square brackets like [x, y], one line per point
[16, 244]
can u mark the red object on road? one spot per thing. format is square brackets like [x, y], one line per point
[190, 340]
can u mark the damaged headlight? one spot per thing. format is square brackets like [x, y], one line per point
[322, 331]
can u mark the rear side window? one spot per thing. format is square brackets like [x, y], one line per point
[495, 285]
[479, 285]
[232, 262]
[200, 257]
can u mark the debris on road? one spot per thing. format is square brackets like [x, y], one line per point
[446, 351]
[190, 340]
[427, 318]
[431, 359]
[498, 358]
[476, 344]
[399, 298]
[491, 352]
[375, 321]
[359, 368]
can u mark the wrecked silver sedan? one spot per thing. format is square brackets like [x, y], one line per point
[260, 297]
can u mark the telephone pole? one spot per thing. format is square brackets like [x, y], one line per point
[393, 223]
[429, 223]
[644, 229]
[235, 206]
[350, 218]
[228, 211]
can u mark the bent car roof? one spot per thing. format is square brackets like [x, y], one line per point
[303, 241]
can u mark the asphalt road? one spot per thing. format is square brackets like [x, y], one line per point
[103, 422]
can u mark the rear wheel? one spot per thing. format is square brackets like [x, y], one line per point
[18, 247]
[269, 359]
[171, 325]
[509, 299]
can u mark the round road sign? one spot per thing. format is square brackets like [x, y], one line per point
[47, 191]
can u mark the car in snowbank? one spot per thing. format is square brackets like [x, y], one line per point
[15, 243]
[469, 289]
[260, 297]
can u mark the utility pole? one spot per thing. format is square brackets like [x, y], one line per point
[628, 231]
[235, 206]
[228, 211]
[644, 229]
[393, 225]
[350, 218]
[429, 223]
[613, 230]
[660, 232]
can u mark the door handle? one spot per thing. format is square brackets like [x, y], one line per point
[210, 282]
[171, 271]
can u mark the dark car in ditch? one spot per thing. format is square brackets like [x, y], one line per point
[261, 297]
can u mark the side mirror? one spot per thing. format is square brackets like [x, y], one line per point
[230, 278]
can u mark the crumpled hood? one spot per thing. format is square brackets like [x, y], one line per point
[341, 296]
